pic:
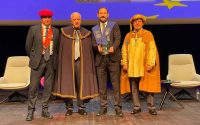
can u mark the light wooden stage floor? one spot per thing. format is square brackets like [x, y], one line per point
[14, 113]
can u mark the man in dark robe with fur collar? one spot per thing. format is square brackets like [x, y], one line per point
[76, 76]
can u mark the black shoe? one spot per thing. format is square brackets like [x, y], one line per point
[152, 111]
[68, 113]
[29, 117]
[119, 113]
[47, 115]
[103, 111]
[82, 112]
[136, 111]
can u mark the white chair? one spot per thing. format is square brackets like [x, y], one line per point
[16, 76]
[182, 73]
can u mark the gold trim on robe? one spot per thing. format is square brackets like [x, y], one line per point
[81, 67]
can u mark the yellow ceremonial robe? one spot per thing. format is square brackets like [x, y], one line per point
[138, 50]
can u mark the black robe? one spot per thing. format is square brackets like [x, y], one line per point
[65, 81]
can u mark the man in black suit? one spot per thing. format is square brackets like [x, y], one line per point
[106, 41]
[42, 48]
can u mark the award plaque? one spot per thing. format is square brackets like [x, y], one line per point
[105, 49]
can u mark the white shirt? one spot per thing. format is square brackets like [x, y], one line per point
[101, 25]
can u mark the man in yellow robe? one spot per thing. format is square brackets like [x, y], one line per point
[140, 62]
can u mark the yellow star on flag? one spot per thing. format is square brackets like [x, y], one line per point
[152, 17]
[170, 4]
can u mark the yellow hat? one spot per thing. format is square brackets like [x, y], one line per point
[137, 16]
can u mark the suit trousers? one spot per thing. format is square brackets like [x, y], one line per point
[107, 66]
[68, 101]
[45, 68]
[135, 94]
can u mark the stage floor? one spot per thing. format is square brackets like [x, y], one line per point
[14, 113]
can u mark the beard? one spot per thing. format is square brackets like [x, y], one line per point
[103, 19]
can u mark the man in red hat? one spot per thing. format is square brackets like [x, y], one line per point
[42, 48]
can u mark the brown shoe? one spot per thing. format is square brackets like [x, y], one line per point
[152, 111]
[135, 111]
[68, 113]
[47, 115]
[82, 112]
[29, 117]
[102, 111]
[119, 113]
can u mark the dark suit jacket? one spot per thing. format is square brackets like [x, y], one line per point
[115, 38]
[34, 45]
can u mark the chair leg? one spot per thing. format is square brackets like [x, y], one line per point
[4, 100]
[21, 95]
[179, 93]
[14, 94]
[8, 98]
[175, 99]
[163, 100]
[183, 92]
[187, 93]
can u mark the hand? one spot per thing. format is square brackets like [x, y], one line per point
[111, 50]
[100, 49]
[125, 68]
[148, 67]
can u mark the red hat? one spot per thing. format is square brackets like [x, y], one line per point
[45, 12]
